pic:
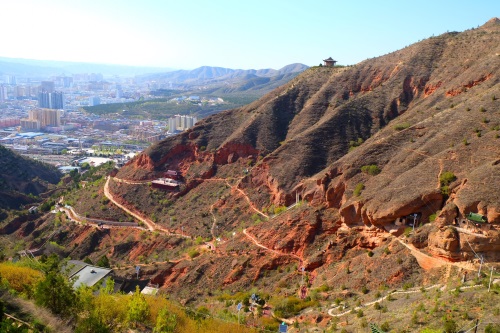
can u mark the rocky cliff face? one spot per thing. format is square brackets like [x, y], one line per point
[366, 147]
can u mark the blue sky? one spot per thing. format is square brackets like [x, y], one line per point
[186, 34]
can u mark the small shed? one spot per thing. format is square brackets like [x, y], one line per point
[172, 174]
[475, 217]
[478, 221]
[329, 62]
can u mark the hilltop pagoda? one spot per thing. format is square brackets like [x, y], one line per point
[329, 62]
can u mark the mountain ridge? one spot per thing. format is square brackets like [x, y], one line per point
[307, 127]
[222, 73]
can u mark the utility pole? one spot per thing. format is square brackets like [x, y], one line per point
[491, 275]
[480, 265]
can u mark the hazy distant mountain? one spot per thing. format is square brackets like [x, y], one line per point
[33, 68]
[221, 81]
[207, 74]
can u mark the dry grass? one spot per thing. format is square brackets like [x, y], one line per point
[28, 311]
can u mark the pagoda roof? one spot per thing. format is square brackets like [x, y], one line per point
[330, 59]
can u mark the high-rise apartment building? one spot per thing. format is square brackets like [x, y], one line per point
[9, 79]
[180, 123]
[3, 93]
[47, 86]
[53, 100]
[40, 118]
[30, 124]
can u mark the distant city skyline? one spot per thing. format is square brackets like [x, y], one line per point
[221, 33]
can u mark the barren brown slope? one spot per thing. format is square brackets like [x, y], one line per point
[412, 109]
[424, 110]
[309, 122]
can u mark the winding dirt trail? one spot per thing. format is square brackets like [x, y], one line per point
[256, 242]
[150, 224]
[77, 218]
[414, 290]
[250, 203]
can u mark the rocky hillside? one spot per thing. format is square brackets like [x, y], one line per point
[427, 99]
[411, 136]
[414, 116]
[20, 177]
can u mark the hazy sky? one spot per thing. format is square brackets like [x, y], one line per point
[227, 33]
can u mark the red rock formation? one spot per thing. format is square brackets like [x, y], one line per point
[470, 84]
[431, 88]
[231, 151]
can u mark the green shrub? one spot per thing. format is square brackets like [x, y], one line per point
[446, 178]
[402, 126]
[323, 288]
[445, 190]
[407, 285]
[291, 306]
[357, 190]
[192, 253]
[355, 144]
[449, 325]
[371, 169]
[492, 328]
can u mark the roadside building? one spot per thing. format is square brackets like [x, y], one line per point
[85, 274]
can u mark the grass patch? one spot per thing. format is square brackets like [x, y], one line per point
[358, 189]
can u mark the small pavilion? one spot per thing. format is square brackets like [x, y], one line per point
[329, 62]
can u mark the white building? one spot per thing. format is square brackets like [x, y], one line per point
[181, 123]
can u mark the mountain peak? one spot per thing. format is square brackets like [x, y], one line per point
[492, 22]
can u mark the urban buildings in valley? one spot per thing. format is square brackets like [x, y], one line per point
[179, 123]
[41, 118]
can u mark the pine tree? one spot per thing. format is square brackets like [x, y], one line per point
[138, 308]
[55, 293]
[103, 262]
[165, 322]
